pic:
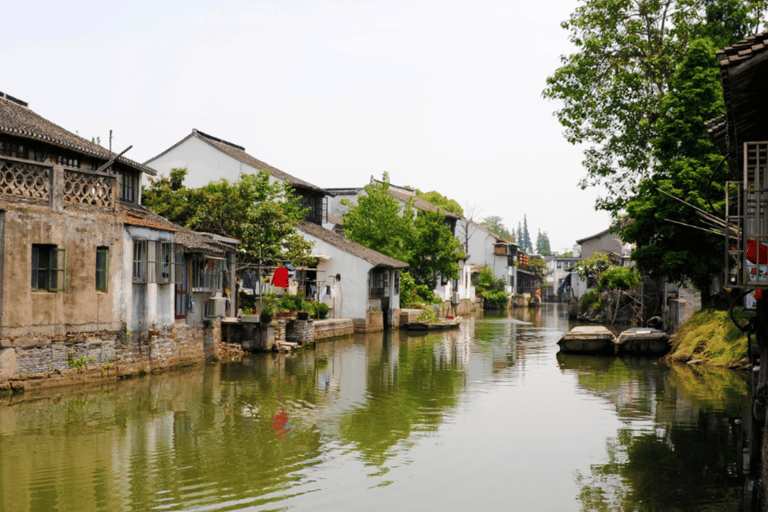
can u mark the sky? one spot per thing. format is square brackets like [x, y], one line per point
[442, 95]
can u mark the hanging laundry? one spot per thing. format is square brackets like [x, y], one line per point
[280, 278]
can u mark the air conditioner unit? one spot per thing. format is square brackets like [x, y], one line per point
[215, 307]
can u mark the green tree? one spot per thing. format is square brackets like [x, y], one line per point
[525, 237]
[611, 88]
[542, 244]
[686, 159]
[495, 224]
[491, 289]
[379, 222]
[424, 241]
[441, 201]
[434, 249]
[263, 215]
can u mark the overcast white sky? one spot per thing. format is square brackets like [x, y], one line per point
[444, 95]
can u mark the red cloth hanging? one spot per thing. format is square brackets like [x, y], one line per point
[280, 278]
[753, 254]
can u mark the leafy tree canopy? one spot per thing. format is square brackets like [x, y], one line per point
[263, 215]
[685, 158]
[542, 244]
[612, 87]
[496, 225]
[380, 222]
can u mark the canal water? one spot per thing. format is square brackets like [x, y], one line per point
[489, 417]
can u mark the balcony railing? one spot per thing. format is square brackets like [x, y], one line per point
[56, 185]
[25, 179]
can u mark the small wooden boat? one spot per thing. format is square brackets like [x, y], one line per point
[643, 341]
[433, 326]
[588, 339]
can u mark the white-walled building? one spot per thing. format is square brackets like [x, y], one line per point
[355, 281]
[208, 158]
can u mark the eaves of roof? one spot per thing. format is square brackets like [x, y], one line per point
[598, 235]
[371, 256]
[20, 121]
[743, 69]
[194, 241]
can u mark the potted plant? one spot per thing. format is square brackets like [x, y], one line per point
[322, 310]
[306, 309]
[266, 314]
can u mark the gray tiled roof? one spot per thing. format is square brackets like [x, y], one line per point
[192, 240]
[20, 121]
[373, 257]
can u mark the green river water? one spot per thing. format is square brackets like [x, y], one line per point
[489, 417]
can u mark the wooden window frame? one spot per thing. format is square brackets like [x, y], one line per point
[51, 262]
[102, 269]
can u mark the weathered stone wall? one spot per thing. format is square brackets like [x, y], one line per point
[79, 306]
[409, 315]
[333, 328]
[300, 331]
[47, 361]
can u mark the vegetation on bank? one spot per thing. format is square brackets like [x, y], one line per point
[710, 337]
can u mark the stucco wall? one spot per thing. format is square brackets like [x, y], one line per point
[80, 307]
[602, 244]
[203, 162]
[481, 253]
[352, 291]
[145, 305]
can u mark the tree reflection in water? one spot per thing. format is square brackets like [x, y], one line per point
[690, 460]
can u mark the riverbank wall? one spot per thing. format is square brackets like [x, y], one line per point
[41, 361]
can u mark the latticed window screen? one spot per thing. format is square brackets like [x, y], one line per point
[48, 268]
[102, 268]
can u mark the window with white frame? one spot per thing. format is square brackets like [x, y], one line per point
[153, 261]
[141, 261]
[164, 257]
[207, 273]
[48, 268]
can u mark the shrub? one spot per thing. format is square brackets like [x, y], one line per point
[413, 295]
[591, 299]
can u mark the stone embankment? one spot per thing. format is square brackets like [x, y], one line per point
[38, 361]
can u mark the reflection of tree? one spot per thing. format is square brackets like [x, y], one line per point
[420, 388]
[673, 470]
[695, 455]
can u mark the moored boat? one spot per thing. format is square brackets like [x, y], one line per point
[433, 326]
[588, 339]
[643, 341]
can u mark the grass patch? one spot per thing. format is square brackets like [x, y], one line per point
[710, 337]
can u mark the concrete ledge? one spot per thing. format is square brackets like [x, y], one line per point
[333, 328]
